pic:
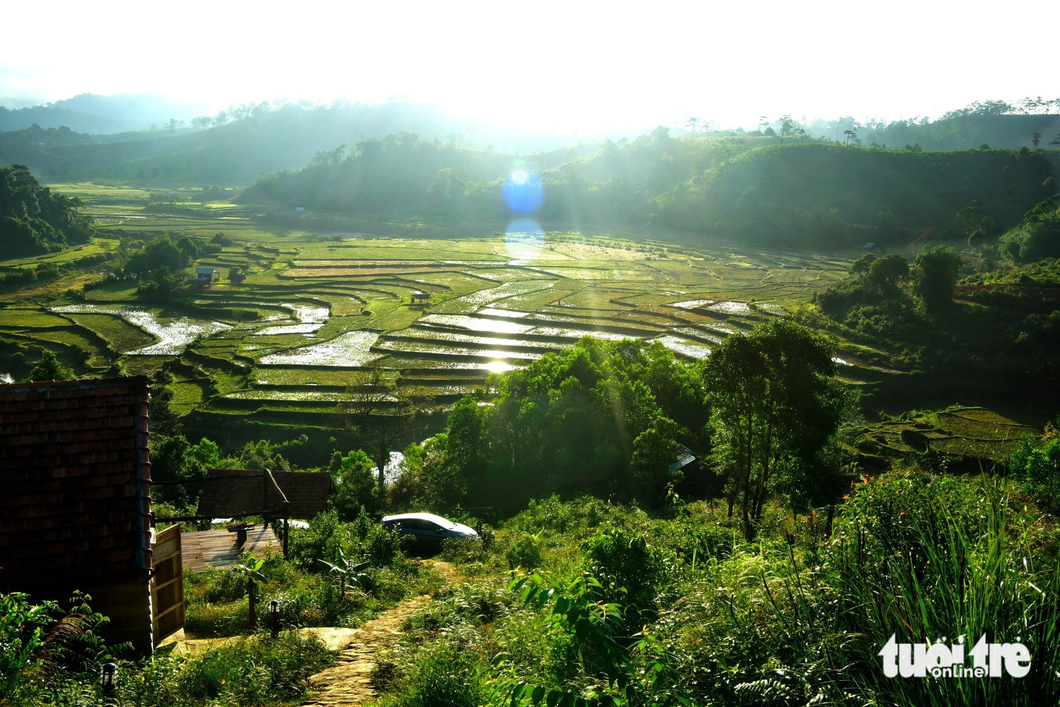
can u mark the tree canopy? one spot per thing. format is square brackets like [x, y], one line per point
[35, 220]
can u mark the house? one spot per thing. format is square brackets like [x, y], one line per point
[206, 273]
[75, 512]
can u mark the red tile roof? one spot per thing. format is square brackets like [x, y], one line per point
[75, 479]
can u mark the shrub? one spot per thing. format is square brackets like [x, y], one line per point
[444, 677]
[627, 567]
[524, 552]
[256, 670]
[21, 633]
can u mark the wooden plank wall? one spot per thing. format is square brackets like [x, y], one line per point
[167, 584]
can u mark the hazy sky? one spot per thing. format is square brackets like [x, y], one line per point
[568, 65]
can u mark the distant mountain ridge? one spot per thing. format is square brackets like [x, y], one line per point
[100, 115]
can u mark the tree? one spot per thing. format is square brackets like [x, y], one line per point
[1035, 139]
[776, 404]
[162, 251]
[692, 125]
[378, 410]
[354, 486]
[884, 277]
[654, 450]
[935, 275]
[787, 127]
[48, 368]
[861, 266]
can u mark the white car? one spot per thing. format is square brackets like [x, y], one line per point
[427, 528]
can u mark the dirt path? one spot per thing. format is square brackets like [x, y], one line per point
[349, 682]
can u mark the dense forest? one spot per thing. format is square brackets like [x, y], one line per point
[783, 193]
[34, 219]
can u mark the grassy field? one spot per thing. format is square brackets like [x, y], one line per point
[318, 307]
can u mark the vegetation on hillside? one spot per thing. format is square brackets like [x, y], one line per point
[33, 219]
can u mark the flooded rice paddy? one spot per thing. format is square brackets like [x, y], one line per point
[174, 335]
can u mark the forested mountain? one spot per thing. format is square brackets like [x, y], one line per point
[406, 174]
[965, 132]
[841, 193]
[89, 113]
[264, 139]
[33, 219]
[727, 185]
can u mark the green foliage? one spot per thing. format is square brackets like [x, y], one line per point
[255, 671]
[364, 538]
[653, 452]
[790, 192]
[161, 282]
[567, 422]
[160, 253]
[347, 571]
[355, 488]
[34, 220]
[628, 569]
[48, 368]
[776, 406]
[206, 454]
[1038, 465]
[22, 626]
[442, 677]
[935, 276]
[525, 552]
[1037, 236]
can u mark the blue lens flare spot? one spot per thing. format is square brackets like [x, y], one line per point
[523, 191]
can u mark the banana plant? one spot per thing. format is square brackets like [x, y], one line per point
[251, 569]
[348, 572]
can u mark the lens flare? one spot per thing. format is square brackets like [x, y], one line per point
[523, 191]
[524, 239]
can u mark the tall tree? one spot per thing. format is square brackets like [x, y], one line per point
[776, 405]
[379, 411]
[935, 272]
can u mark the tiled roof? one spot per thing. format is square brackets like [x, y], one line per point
[233, 492]
[75, 479]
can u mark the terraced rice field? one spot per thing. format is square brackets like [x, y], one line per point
[316, 310]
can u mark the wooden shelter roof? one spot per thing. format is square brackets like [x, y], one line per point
[234, 492]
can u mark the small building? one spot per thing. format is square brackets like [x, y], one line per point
[421, 296]
[207, 273]
[75, 512]
[684, 458]
[237, 493]
[870, 246]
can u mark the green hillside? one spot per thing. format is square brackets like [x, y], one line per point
[800, 192]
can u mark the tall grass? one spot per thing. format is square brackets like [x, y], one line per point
[918, 558]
